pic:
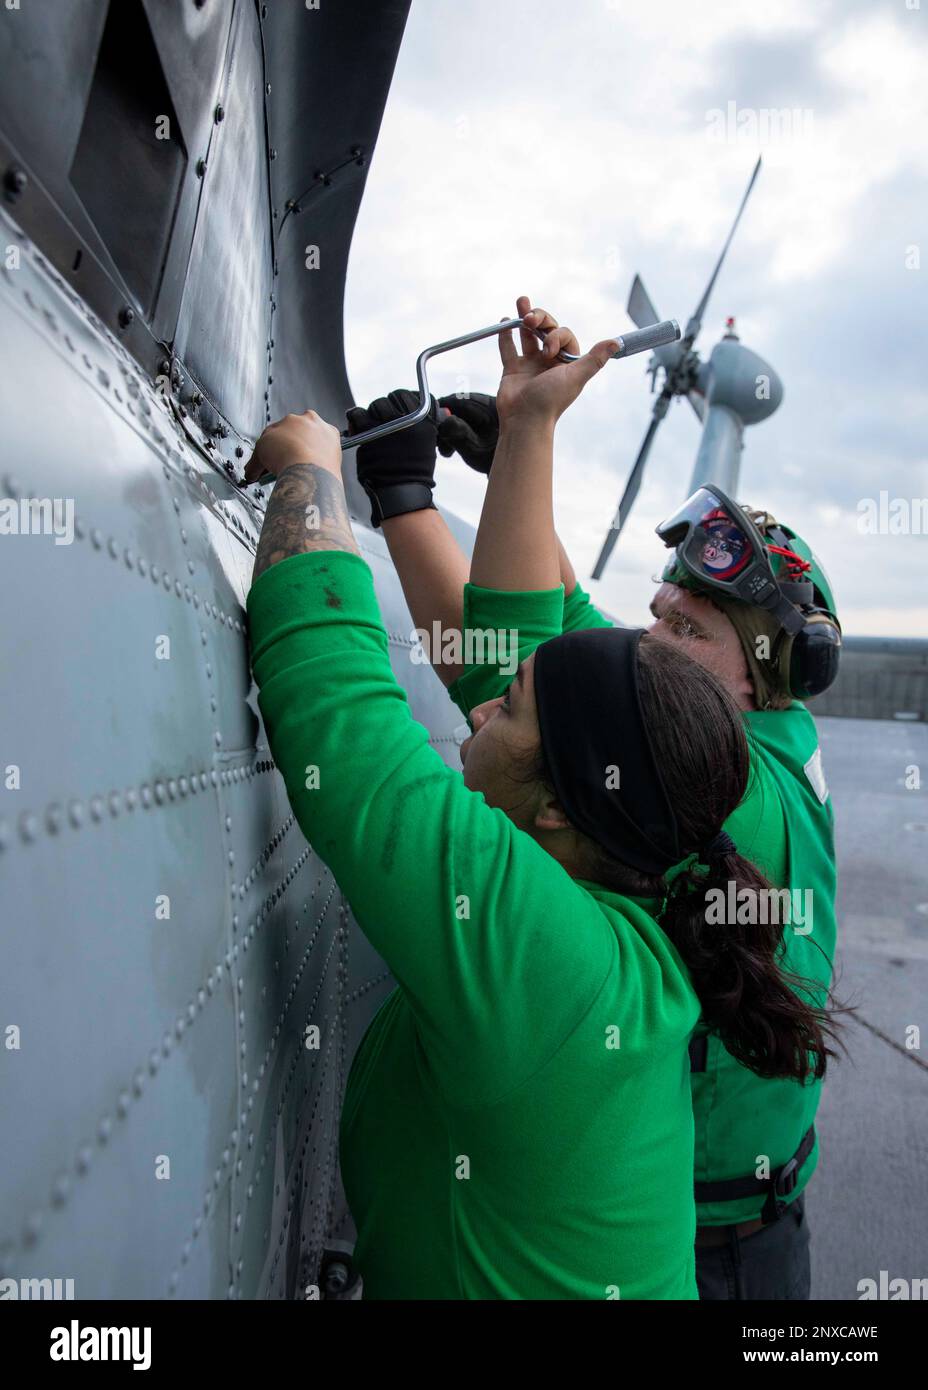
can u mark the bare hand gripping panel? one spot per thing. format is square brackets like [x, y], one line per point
[181, 985]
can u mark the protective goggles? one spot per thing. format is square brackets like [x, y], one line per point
[724, 551]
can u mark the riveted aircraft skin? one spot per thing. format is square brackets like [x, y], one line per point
[182, 985]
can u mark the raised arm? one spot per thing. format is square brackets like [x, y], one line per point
[470, 428]
[433, 570]
[520, 571]
[516, 546]
[398, 474]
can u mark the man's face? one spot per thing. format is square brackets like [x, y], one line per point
[704, 633]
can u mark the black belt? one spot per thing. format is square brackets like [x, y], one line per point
[777, 1187]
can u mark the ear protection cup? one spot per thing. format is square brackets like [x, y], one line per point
[808, 664]
[814, 653]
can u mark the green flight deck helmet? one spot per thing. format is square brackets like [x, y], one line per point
[771, 587]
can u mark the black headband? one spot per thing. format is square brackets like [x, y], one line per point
[589, 713]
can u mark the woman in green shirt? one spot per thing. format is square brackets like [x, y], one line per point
[517, 1122]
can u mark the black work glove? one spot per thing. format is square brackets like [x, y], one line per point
[398, 471]
[472, 429]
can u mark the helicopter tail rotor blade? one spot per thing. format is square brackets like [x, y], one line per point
[695, 323]
[640, 309]
[643, 314]
[608, 546]
[631, 487]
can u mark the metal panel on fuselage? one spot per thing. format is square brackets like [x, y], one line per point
[169, 933]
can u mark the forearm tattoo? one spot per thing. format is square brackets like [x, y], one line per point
[307, 511]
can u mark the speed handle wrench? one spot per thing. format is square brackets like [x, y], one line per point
[641, 340]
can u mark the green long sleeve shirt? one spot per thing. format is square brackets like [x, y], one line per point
[517, 1121]
[744, 1125]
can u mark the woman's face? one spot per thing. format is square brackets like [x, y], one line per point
[506, 735]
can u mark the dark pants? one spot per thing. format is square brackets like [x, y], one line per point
[770, 1264]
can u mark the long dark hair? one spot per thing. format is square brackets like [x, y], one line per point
[763, 1015]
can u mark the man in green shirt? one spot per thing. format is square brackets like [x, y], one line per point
[756, 1147]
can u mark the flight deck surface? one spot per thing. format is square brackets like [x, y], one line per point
[867, 1201]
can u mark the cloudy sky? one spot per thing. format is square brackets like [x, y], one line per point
[531, 146]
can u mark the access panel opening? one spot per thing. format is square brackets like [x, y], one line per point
[130, 158]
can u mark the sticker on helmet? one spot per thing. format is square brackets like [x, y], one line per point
[721, 548]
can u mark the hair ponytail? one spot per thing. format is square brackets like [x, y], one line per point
[754, 1006]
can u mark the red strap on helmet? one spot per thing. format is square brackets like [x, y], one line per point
[793, 561]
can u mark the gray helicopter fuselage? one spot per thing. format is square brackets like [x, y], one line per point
[182, 985]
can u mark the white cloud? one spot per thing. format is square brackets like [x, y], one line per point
[555, 151]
